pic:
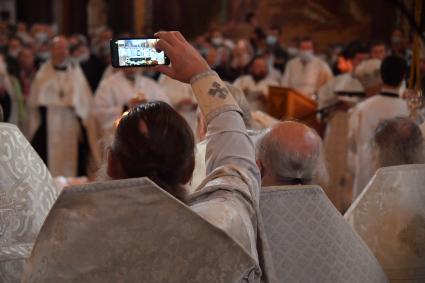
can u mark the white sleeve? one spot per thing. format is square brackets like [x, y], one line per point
[106, 109]
[326, 96]
[238, 83]
[286, 79]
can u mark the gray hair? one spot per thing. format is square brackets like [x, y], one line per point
[289, 166]
[398, 141]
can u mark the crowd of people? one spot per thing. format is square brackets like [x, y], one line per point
[42, 70]
[80, 114]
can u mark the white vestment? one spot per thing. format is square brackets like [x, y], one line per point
[109, 71]
[116, 91]
[275, 74]
[27, 195]
[364, 119]
[342, 83]
[262, 120]
[311, 242]
[175, 90]
[247, 84]
[335, 140]
[181, 97]
[423, 129]
[306, 78]
[253, 90]
[67, 98]
[389, 215]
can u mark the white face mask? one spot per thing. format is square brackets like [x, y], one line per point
[44, 55]
[306, 55]
[217, 41]
[13, 53]
[271, 40]
[41, 36]
[84, 57]
[245, 59]
[292, 51]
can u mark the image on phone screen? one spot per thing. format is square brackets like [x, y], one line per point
[137, 52]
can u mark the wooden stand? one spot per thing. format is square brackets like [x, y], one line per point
[286, 103]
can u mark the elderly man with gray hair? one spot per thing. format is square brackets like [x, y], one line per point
[291, 154]
[398, 141]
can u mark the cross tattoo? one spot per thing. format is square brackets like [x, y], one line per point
[218, 90]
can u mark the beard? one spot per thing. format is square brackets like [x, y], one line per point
[258, 77]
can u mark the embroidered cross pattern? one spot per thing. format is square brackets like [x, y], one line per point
[218, 90]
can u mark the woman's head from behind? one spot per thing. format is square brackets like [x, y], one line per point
[153, 140]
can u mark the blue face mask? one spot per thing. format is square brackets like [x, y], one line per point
[203, 51]
[271, 40]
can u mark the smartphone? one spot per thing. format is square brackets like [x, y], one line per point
[136, 52]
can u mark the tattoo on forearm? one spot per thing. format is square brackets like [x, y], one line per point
[217, 90]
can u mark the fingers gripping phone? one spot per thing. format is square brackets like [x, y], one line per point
[136, 52]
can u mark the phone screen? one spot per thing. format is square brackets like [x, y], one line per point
[136, 52]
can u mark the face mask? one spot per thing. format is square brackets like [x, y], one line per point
[271, 40]
[203, 51]
[306, 56]
[217, 41]
[24, 36]
[395, 40]
[292, 51]
[83, 57]
[245, 59]
[41, 36]
[44, 55]
[13, 53]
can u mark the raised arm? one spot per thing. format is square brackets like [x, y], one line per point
[227, 140]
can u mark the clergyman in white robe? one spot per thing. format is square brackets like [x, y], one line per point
[306, 77]
[115, 92]
[255, 90]
[181, 98]
[363, 120]
[335, 139]
[60, 101]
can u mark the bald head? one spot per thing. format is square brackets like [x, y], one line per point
[289, 154]
[60, 50]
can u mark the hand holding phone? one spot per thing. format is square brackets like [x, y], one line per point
[186, 62]
[136, 52]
